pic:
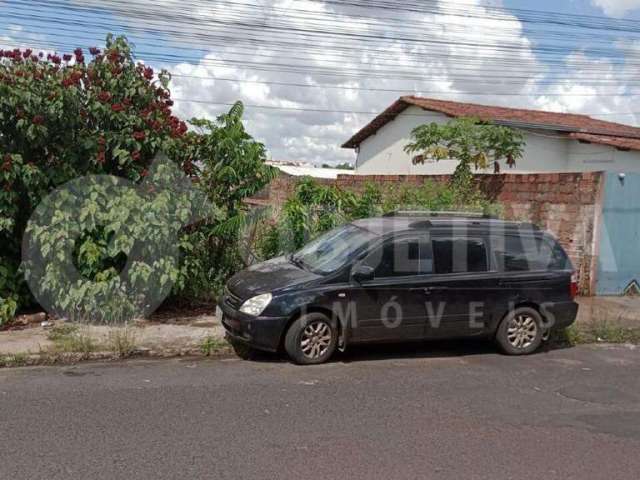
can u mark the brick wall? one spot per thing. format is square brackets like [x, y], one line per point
[280, 188]
[566, 204]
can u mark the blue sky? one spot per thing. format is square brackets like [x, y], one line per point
[310, 123]
[579, 7]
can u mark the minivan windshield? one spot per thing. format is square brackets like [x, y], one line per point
[332, 250]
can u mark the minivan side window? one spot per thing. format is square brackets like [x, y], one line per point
[521, 254]
[400, 258]
[459, 255]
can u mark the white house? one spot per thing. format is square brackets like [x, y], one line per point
[555, 142]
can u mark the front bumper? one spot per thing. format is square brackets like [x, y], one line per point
[262, 333]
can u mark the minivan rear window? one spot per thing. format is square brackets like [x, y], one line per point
[459, 255]
[526, 253]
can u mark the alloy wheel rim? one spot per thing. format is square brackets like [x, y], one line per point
[522, 331]
[315, 340]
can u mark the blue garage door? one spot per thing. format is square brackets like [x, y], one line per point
[619, 259]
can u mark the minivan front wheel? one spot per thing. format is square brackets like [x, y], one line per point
[311, 339]
[520, 332]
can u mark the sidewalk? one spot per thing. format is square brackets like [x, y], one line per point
[63, 341]
[173, 334]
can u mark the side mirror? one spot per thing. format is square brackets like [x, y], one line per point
[361, 273]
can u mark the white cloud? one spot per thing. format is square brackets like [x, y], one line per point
[10, 41]
[317, 136]
[457, 55]
[617, 8]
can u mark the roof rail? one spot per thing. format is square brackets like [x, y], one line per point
[432, 213]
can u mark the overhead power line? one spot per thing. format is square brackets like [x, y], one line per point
[355, 41]
[355, 112]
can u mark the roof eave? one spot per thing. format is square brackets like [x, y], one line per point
[395, 109]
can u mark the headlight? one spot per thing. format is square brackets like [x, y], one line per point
[256, 305]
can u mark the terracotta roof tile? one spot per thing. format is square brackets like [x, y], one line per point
[623, 143]
[566, 122]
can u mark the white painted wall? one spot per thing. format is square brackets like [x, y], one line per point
[383, 153]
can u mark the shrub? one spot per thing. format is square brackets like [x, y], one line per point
[314, 208]
[67, 117]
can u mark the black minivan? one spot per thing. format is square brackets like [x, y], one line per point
[405, 277]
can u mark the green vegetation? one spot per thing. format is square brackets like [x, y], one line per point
[596, 332]
[339, 166]
[122, 342]
[472, 142]
[72, 339]
[14, 360]
[66, 117]
[213, 346]
[314, 208]
[60, 332]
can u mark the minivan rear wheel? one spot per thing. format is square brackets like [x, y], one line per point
[311, 339]
[520, 332]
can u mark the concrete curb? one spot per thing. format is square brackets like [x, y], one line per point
[72, 358]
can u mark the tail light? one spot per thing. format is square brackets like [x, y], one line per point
[573, 289]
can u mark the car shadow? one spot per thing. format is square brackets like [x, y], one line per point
[424, 349]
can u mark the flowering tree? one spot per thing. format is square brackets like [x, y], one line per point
[62, 117]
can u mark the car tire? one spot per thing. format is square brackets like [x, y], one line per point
[520, 332]
[311, 339]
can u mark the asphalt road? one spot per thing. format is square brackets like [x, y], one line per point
[424, 412]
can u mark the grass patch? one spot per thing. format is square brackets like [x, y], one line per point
[71, 339]
[15, 360]
[122, 342]
[213, 345]
[595, 332]
[59, 332]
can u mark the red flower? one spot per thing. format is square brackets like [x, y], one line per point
[94, 51]
[169, 103]
[79, 55]
[117, 107]
[104, 96]
[56, 59]
[139, 136]
[101, 158]
[148, 73]
[136, 155]
[144, 173]
[38, 120]
[66, 57]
